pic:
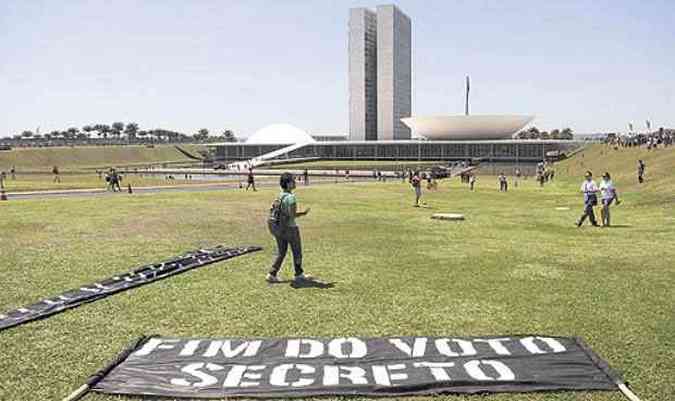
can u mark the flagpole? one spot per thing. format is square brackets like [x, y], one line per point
[466, 105]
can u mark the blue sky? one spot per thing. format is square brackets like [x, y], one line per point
[184, 65]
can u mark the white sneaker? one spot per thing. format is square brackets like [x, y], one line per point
[302, 277]
[272, 278]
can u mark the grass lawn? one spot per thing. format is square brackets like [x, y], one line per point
[45, 182]
[515, 266]
[80, 157]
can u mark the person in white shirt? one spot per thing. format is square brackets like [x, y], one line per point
[609, 195]
[590, 190]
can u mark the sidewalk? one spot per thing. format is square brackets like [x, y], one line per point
[155, 189]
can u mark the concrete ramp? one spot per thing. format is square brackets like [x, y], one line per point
[256, 161]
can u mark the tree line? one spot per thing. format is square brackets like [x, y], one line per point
[119, 132]
[535, 133]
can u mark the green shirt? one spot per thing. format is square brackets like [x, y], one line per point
[286, 205]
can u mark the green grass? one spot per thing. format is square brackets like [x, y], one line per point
[516, 265]
[45, 182]
[70, 158]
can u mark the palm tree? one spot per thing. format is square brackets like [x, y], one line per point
[118, 126]
[116, 129]
[201, 135]
[27, 134]
[567, 133]
[131, 130]
[104, 130]
[229, 136]
[533, 133]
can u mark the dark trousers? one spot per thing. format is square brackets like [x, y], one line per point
[503, 186]
[606, 203]
[291, 236]
[588, 212]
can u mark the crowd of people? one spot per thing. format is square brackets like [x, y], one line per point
[652, 141]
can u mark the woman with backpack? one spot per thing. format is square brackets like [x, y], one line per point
[282, 225]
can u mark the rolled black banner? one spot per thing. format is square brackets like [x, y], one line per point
[135, 278]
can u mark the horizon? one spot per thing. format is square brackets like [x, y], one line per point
[242, 66]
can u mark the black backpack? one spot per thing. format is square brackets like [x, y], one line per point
[278, 219]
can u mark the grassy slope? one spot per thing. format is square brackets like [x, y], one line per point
[516, 265]
[88, 156]
[622, 166]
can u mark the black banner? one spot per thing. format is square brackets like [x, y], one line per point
[135, 278]
[392, 366]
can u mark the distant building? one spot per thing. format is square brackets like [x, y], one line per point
[394, 73]
[330, 137]
[380, 74]
[362, 75]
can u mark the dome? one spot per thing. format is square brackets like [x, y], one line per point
[475, 127]
[279, 134]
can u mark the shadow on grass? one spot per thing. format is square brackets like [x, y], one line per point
[311, 284]
[618, 226]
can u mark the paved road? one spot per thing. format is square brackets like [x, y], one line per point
[175, 188]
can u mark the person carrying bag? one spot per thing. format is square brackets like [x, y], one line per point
[282, 226]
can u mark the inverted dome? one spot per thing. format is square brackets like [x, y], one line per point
[279, 134]
[475, 127]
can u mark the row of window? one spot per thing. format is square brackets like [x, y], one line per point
[422, 150]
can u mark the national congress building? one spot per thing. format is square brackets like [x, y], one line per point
[381, 125]
[380, 74]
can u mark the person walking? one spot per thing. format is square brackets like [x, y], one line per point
[12, 171]
[287, 232]
[517, 177]
[57, 177]
[503, 183]
[115, 179]
[251, 180]
[641, 171]
[589, 189]
[609, 195]
[472, 182]
[306, 177]
[416, 183]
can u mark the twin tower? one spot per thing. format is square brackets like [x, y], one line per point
[379, 74]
